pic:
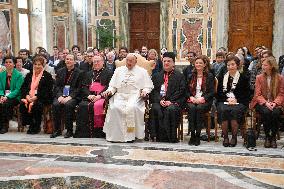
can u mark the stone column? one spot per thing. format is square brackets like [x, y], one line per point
[278, 29]
[164, 24]
[37, 33]
[49, 27]
[124, 23]
[222, 23]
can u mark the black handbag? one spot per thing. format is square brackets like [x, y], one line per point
[250, 137]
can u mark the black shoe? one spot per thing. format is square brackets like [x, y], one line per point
[192, 139]
[55, 134]
[29, 131]
[3, 130]
[35, 131]
[68, 134]
[233, 142]
[197, 141]
[226, 142]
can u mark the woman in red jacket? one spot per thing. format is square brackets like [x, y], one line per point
[269, 99]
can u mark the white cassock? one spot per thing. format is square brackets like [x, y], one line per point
[125, 116]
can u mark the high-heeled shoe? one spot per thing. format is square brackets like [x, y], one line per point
[233, 142]
[226, 142]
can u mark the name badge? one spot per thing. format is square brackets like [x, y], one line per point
[66, 90]
[163, 91]
[7, 92]
[35, 92]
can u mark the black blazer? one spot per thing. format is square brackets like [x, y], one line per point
[44, 91]
[87, 81]
[176, 88]
[60, 65]
[85, 67]
[241, 92]
[74, 83]
[209, 93]
[187, 72]
[28, 65]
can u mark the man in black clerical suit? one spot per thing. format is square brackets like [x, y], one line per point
[167, 98]
[66, 96]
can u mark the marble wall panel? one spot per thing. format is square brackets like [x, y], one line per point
[5, 32]
[193, 27]
[192, 39]
[60, 31]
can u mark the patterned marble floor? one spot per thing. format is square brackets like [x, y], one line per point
[40, 162]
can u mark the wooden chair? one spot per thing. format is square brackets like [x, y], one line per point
[47, 119]
[17, 113]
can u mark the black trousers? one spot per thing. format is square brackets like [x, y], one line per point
[196, 116]
[270, 119]
[6, 110]
[164, 122]
[67, 110]
[34, 117]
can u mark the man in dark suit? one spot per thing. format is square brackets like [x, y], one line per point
[62, 63]
[54, 57]
[27, 63]
[87, 65]
[66, 96]
[187, 72]
[167, 98]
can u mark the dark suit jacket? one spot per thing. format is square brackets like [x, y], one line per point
[187, 72]
[208, 94]
[176, 88]
[74, 83]
[87, 81]
[28, 65]
[85, 67]
[241, 91]
[60, 65]
[44, 91]
[281, 63]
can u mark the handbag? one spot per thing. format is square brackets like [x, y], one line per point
[250, 136]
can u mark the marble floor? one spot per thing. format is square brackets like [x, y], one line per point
[36, 161]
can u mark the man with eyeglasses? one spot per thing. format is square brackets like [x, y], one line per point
[87, 65]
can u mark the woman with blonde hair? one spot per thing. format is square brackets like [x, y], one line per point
[268, 99]
[153, 55]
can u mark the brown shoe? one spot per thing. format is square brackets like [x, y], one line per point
[267, 143]
[273, 143]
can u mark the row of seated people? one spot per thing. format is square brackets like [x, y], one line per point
[168, 94]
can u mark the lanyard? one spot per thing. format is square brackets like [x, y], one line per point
[96, 75]
[166, 79]
[68, 79]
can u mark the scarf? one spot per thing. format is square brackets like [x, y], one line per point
[34, 86]
[234, 84]
[193, 83]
